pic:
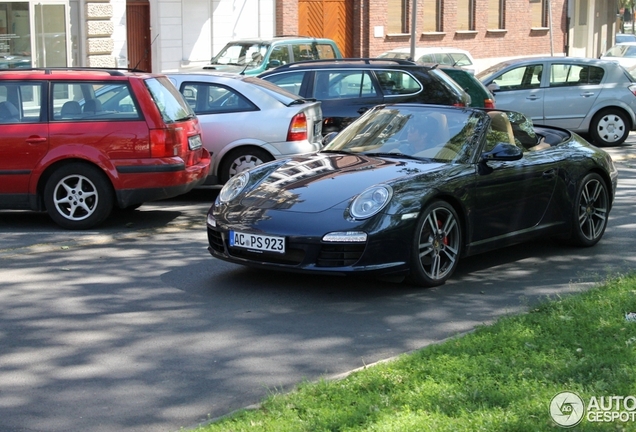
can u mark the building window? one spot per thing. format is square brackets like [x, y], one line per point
[397, 14]
[465, 15]
[538, 10]
[496, 14]
[431, 13]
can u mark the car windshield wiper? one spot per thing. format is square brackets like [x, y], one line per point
[393, 155]
[338, 152]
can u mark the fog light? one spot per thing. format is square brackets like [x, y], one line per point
[346, 237]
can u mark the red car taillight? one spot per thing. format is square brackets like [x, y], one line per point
[165, 142]
[489, 103]
[297, 128]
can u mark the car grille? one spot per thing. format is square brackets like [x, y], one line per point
[216, 241]
[290, 257]
[339, 255]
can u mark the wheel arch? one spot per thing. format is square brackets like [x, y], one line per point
[50, 169]
[227, 154]
[629, 114]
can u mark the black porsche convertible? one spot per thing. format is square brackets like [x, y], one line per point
[374, 202]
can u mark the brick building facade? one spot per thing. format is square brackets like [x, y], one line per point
[515, 31]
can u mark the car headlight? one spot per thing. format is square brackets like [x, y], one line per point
[233, 187]
[371, 201]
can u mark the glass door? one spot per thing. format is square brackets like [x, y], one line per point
[50, 31]
[15, 35]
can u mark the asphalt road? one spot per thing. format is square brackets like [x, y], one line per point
[134, 327]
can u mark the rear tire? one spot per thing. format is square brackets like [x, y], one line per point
[241, 159]
[78, 196]
[609, 127]
[436, 245]
[591, 210]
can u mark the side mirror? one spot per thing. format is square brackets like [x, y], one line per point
[493, 87]
[328, 138]
[503, 152]
[273, 64]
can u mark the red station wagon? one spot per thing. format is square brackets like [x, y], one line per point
[79, 142]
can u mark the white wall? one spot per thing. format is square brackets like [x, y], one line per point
[190, 32]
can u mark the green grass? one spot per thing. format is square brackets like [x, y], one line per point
[498, 378]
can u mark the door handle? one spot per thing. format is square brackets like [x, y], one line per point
[549, 173]
[36, 139]
[587, 94]
[533, 97]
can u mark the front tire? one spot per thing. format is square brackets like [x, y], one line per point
[78, 196]
[609, 127]
[241, 159]
[591, 210]
[436, 245]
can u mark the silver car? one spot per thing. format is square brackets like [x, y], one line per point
[590, 96]
[247, 121]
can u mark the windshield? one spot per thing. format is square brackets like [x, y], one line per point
[427, 132]
[241, 54]
[169, 101]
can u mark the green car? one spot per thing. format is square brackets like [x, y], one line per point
[254, 56]
[480, 96]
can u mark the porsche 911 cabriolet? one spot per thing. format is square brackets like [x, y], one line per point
[374, 201]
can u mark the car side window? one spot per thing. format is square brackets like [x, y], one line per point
[326, 51]
[208, 98]
[520, 78]
[280, 54]
[84, 101]
[21, 102]
[396, 82]
[292, 81]
[303, 51]
[562, 75]
[343, 84]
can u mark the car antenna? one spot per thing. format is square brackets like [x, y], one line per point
[145, 53]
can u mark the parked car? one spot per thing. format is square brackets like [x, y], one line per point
[624, 53]
[480, 96]
[624, 37]
[442, 55]
[247, 121]
[584, 95]
[79, 142]
[253, 56]
[349, 87]
[362, 205]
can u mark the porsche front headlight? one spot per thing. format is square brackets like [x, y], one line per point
[233, 187]
[371, 201]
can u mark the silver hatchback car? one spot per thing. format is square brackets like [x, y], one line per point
[590, 96]
[247, 121]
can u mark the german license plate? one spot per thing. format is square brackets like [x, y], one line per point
[257, 242]
[194, 142]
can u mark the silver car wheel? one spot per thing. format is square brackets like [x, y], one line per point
[78, 196]
[609, 128]
[243, 163]
[241, 159]
[437, 248]
[593, 209]
[75, 197]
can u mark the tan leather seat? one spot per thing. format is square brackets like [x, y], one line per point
[500, 124]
